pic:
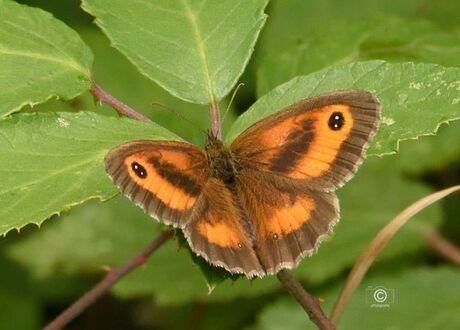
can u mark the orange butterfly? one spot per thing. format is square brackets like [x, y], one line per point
[266, 201]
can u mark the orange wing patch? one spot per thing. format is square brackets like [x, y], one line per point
[174, 192]
[324, 148]
[286, 218]
[219, 232]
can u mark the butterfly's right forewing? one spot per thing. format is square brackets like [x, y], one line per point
[165, 178]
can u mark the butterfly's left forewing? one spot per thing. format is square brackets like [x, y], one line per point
[319, 141]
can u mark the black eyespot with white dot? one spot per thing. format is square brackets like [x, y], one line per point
[336, 121]
[139, 170]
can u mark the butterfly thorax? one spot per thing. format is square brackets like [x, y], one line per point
[221, 161]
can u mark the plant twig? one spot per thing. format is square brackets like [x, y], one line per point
[103, 97]
[443, 246]
[309, 304]
[108, 281]
[377, 245]
[214, 112]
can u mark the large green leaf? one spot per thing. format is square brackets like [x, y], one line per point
[195, 49]
[49, 162]
[415, 98]
[418, 299]
[40, 57]
[343, 42]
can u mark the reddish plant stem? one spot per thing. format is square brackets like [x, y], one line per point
[309, 303]
[107, 282]
[443, 247]
[103, 97]
[214, 112]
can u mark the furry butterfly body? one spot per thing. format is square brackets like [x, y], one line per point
[264, 202]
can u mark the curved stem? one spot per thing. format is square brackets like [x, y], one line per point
[214, 112]
[309, 303]
[103, 97]
[107, 282]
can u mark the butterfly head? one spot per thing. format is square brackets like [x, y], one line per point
[220, 159]
[213, 144]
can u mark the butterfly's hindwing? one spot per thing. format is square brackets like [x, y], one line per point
[218, 232]
[291, 223]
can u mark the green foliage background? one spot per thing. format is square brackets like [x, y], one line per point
[330, 44]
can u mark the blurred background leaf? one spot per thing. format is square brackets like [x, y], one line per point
[418, 299]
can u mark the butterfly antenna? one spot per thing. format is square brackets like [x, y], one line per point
[231, 100]
[178, 114]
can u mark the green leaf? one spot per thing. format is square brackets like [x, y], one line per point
[415, 98]
[49, 162]
[40, 57]
[343, 42]
[195, 49]
[419, 299]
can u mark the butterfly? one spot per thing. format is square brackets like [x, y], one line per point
[264, 202]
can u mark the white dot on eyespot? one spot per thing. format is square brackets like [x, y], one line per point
[337, 117]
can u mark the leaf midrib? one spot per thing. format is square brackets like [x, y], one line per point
[201, 49]
[43, 178]
[71, 63]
